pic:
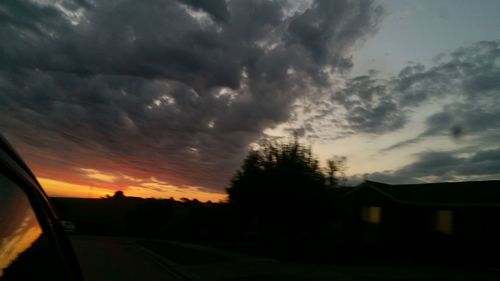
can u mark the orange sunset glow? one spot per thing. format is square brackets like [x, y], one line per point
[94, 176]
[100, 106]
[149, 188]
[249, 140]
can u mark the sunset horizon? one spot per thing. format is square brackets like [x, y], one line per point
[165, 99]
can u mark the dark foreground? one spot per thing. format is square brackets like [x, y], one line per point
[113, 258]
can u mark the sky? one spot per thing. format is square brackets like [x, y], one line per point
[164, 98]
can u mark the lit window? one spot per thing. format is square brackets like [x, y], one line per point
[444, 221]
[371, 214]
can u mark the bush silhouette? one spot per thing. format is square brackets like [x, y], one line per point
[280, 191]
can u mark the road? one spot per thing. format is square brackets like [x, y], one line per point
[115, 258]
[112, 258]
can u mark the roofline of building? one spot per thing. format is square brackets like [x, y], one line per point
[372, 185]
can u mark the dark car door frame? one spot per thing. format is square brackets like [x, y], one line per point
[14, 168]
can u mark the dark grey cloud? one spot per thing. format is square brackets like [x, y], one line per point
[465, 80]
[445, 166]
[215, 8]
[172, 89]
[473, 120]
[370, 106]
[317, 29]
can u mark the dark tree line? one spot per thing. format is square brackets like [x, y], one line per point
[281, 192]
[280, 197]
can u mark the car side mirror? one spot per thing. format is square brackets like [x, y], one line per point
[33, 245]
[20, 230]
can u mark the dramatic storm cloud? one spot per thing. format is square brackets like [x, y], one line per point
[164, 98]
[445, 166]
[467, 78]
[464, 85]
[170, 91]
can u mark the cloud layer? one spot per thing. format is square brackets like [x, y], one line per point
[171, 89]
[465, 81]
[445, 166]
[464, 85]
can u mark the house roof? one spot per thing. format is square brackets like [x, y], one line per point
[471, 193]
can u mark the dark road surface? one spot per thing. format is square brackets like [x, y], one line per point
[111, 258]
[116, 258]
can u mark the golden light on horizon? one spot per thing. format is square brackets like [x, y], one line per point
[156, 189]
[56, 188]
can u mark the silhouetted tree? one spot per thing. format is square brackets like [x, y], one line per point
[280, 190]
[335, 171]
[119, 195]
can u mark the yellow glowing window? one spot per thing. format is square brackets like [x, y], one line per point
[444, 221]
[371, 214]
